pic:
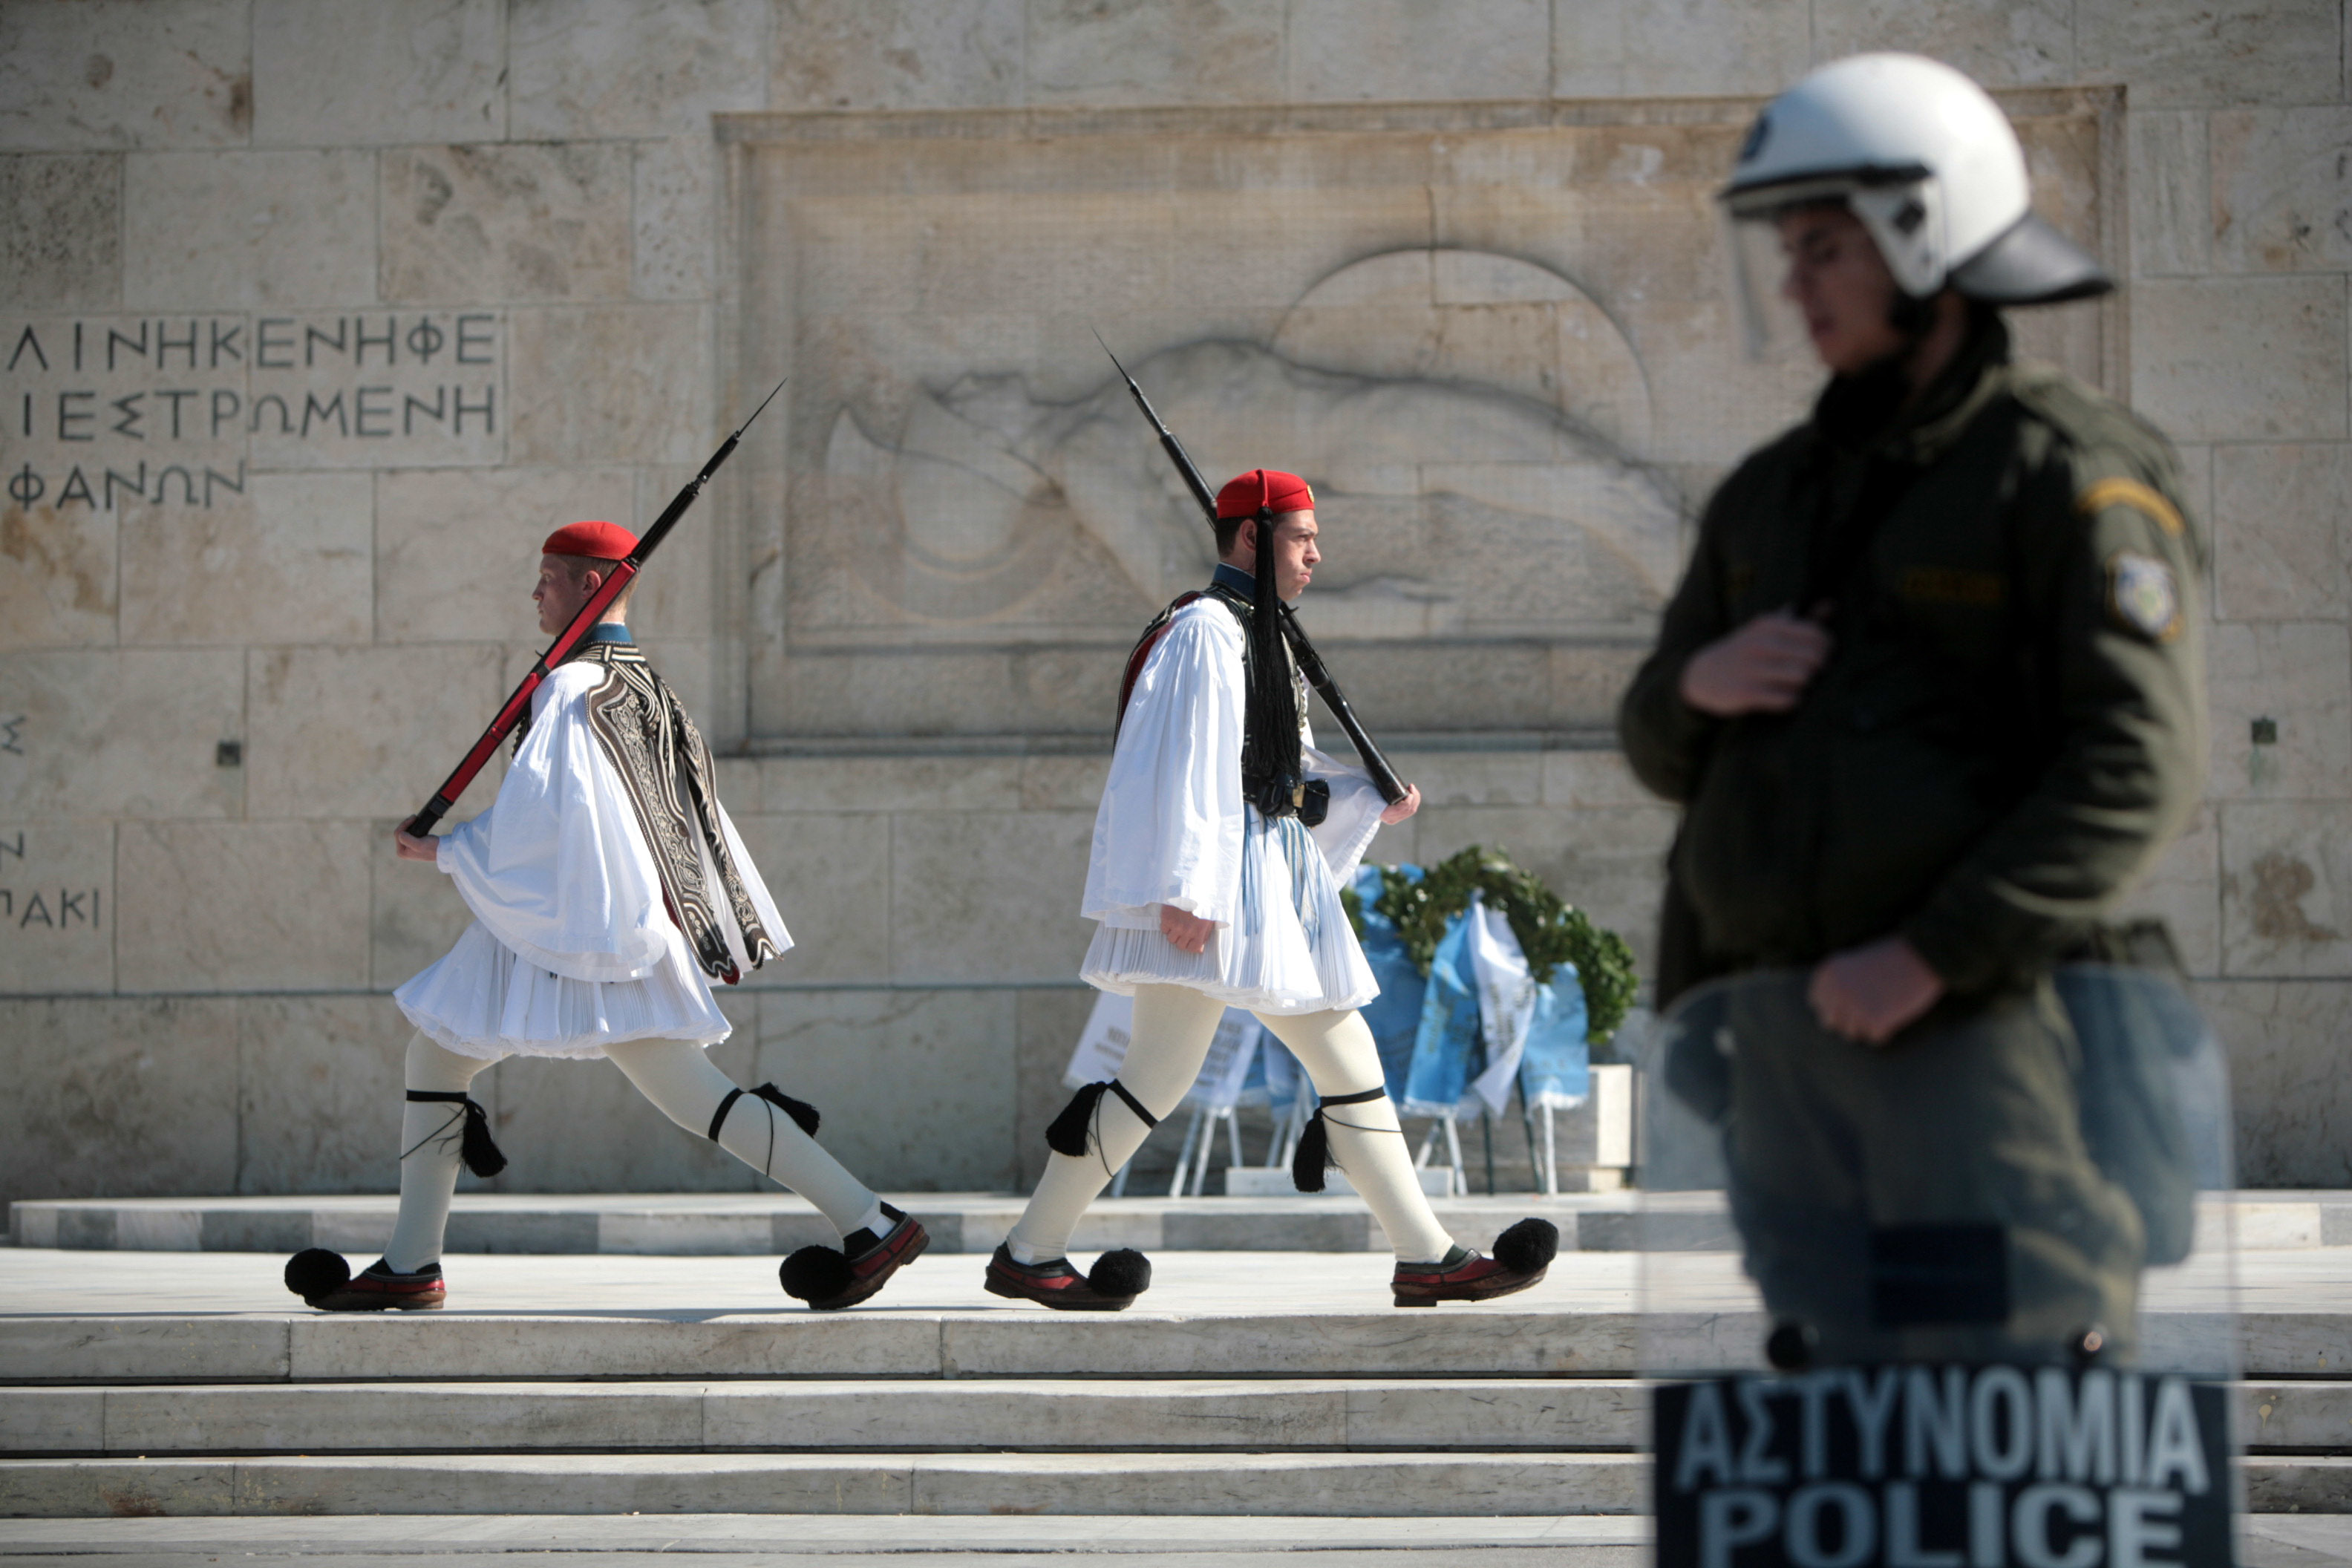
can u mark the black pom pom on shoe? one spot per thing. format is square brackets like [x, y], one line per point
[814, 1274]
[1527, 1246]
[314, 1272]
[1123, 1272]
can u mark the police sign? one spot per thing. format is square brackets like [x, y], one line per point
[1928, 1467]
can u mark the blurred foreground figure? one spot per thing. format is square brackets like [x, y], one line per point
[1929, 694]
[609, 889]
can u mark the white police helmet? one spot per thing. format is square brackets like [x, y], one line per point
[1928, 163]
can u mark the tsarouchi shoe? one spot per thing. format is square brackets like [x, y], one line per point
[325, 1280]
[1115, 1281]
[1522, 1256]
[829, 1280]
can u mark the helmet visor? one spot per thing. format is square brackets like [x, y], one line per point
[1770, 323]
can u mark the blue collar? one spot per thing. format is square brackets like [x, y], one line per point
[608, 631]
[1231, 576]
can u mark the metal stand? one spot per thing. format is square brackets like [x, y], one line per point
[1200, 1139]
[1453, 1150]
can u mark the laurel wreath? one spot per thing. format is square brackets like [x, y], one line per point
[1551, 931]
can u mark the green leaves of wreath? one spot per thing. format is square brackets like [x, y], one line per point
[1550, 931]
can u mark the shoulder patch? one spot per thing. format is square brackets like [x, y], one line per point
[2140, 498]
[2142, 596]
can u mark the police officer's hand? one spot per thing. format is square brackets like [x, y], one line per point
[1762, 667]
[1189, 934]
[1870, 993]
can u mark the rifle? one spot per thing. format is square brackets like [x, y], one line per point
[516, 706]
[1310, 663]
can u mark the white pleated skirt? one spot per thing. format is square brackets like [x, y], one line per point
[1290, 949]
[480, 1000]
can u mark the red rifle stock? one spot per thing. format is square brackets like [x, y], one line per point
[510, 713]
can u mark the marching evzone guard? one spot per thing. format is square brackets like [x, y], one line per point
[609, 889]
[1219, 847]
[1930, 696]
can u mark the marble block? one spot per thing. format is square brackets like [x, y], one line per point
[57, 576]
[1402, 49]
[2242, 359]
[478, 224]
[319, 1093]
[456, 553]
[126, 73]
[119, 1096]
[2285, 1040]
[830, 876]
[988, 896]
[674, 219]
[2283, 190]
[592, 68]
[2187, 53]
[288, 562]
[2298, 675]
[359, 73]
[61, 246]
[355, 389]
[2286, 889]
[237, 906]
[363, 731]
[1680, 47]
[415, 915]
[897, 53]
[249, 230]
[917, 1089]
[2004, 45]
[57, 907]
[2171, 177]
[611, 384]
[1176, 51]
[2279, 530]
[123, 734]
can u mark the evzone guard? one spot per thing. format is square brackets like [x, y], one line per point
[1219, 847]
[609, 889]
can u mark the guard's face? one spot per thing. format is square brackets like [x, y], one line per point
[1841, 286]
[1294, 554]
[558, 596]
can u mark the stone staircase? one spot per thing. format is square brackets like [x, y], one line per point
[1300, 1412]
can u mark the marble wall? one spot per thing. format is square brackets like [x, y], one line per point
[318, 314]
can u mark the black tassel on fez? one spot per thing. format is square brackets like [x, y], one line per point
[475, 1145]
[1067, 1133]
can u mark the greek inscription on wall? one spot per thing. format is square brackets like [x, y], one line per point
[98, 410]
[57, 907]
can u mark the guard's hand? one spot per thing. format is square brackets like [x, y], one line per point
[1399, 810]
[408, 847]
[1871, 992]
[1189, 933]
[1762, 667]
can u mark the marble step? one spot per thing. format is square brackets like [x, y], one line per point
[995, 1415]
[720, 1224]
[934, 1414]
[1490, 1341]
[1314, 1485]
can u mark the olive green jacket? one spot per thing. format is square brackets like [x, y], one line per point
[2012, 721]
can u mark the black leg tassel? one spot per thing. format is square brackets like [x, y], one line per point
[1313, 1156]
[475, 1147]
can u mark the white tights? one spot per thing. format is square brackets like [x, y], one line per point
[1174, 1027]
[676, 1076]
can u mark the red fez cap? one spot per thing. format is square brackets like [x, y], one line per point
[1276, 492]
[602, 541]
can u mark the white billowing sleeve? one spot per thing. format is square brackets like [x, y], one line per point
[1169, 831]
[753, 885]
[556, 870]
[1347, 829]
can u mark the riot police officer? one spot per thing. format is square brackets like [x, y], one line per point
[1929, 694]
